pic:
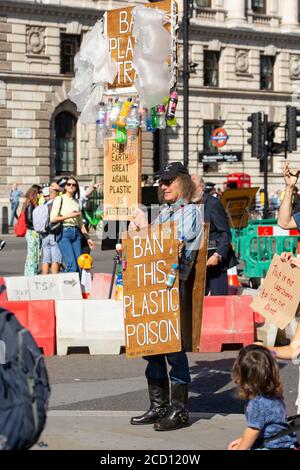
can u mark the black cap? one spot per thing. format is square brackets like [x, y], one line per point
[210, 185]
[171, 170]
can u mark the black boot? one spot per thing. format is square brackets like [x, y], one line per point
[178, 416]
[159, 402]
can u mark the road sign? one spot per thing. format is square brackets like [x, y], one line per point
[219, 137]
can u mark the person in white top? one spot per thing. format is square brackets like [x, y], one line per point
[66, 209]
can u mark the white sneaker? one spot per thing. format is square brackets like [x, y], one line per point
[2, 244]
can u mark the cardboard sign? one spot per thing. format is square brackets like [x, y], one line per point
[44, 287]
[279, 296]
[151, 309]
[237, 203]
[119, 23]
[122, 178]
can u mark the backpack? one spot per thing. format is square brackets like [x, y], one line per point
[20, 227]
[24, 386]
[40, 217]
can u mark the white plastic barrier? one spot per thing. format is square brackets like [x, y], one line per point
[97, 324]
[44, 287]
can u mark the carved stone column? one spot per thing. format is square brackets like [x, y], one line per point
[289, 10]
[236, 11]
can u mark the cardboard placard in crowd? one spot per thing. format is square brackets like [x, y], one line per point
[151, 309]
[279, 296]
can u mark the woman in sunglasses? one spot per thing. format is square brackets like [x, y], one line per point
[66, 210]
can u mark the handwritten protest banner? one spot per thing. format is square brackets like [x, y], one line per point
[122, 178]
[119, 23]
[279, 297]
[151, 309]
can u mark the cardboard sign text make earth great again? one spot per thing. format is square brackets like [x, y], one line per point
[279, 296]
[151, 309]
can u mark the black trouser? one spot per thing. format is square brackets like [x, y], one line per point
[216, 281]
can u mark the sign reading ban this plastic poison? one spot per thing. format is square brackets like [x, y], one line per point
[151, 309]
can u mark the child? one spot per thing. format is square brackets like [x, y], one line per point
[257, 375]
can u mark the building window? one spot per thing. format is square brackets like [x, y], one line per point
[208, 129]
[69, 46]
[203, 3]
[65, 144]
[266, 72]
[259, 6]
[211, 68]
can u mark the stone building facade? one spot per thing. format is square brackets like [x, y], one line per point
[245, 57]
[244, 54]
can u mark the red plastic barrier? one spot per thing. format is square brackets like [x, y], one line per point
[101, 285]
[3, 294]
[258, 318]
[226, 320]
[39, 317]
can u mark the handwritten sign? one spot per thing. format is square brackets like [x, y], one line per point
[237, 203]
[44, 287]
[122, 178]
[119, 23]
[279, 297]
[151, 309]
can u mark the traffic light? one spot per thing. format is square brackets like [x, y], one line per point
[292, 124]
[256, 131]
[274, 147]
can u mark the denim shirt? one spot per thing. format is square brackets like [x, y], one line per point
[190, 219]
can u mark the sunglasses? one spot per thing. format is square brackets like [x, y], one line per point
[166, 182]
[72, 184]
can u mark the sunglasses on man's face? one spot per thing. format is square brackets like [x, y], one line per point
[72, 184]
[166, 182]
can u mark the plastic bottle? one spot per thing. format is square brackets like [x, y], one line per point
[133, 122]
[119, 287]
[142, 116]
[154, 117]
[101, 125]
[115, 111]
[121, 135]
[161, 120]
[172, 275]
[108, 112]
[121, 121]
[149, 125]
[172, 104]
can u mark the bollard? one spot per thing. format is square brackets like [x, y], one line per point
[4, 220]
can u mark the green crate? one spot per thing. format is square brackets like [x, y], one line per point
[257, 251]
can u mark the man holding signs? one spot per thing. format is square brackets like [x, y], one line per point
[176, 190]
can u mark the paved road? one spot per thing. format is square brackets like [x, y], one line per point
[12, 257]
[93, 397]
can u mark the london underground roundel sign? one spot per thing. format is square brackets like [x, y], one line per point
[219, 137]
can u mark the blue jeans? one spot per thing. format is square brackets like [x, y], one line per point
[14, 206]
[157, 367]
[69, 243]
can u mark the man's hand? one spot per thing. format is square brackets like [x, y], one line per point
[234, 444]
[139, 220]
[286, 256]
[212, 261]
[290, 176]
[294, 262]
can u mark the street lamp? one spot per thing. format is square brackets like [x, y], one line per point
[187, 14]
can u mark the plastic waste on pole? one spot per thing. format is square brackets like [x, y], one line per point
[132, 127]
[160, 113]
[101, 125]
